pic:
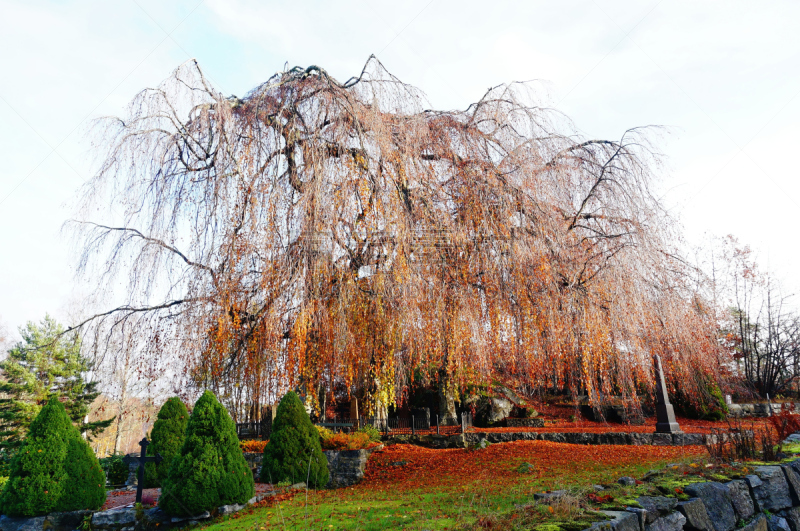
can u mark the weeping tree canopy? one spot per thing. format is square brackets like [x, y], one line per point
[322, 233]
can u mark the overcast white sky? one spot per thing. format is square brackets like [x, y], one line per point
[725, 76]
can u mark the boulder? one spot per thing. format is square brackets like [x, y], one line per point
[759, 523]
[114, 518]
[741, 499]
[656, 506]
[672, 522]
[717, 499]
[549, 496]
[777, 523]
[696, 515]
[626, 481]
[7, 523]
[623, 521]
[792, 517]
[230, 509]
[770, 488]
[793, 479]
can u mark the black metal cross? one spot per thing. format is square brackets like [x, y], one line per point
[144, 458]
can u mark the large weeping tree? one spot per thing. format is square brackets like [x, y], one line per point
[315, 234]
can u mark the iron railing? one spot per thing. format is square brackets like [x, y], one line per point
[413, 425]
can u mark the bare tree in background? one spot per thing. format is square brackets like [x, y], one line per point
[316, 233]
[763, 329]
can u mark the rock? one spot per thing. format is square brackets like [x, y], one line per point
[623, 521]
[8, 523]
[298, 486]
[626, 481]
[67, 521]
[741, 500]
[598, 488]
[230, 509]
[662, 439]
[156, 517]
[524, 423]
[792, 517]
[346, 467]
[114, 518]
[641, 515]
[549, 496]
[696, 515]
[770, 489]
[192, 520]
[777, 523]
[717, 499]
[793, 479]
[656, 506]
[672, 522]
[759, 523]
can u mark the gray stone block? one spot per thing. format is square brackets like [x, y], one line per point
[549, 496]
[759, 523]
[777, 523]
[230, 509]
[793, 479]
[769, 488]
[672, 522]
[662, 439]
[656, 506]
[8, 523]
[626, 481]
[792, 517]
[641, 515]
[717, 499]
[623, 521]
[114, 518]
[696, 515]
[741, 499]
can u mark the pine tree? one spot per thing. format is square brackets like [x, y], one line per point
[210, 470]
[166, 438]
[44, 364]
[54, 469]
[293, 452]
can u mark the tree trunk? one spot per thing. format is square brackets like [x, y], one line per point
[447, 403]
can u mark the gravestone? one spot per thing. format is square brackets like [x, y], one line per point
[144, 458]
[665, 413]
[353, 409]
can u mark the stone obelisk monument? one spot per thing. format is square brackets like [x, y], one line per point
[665, 414]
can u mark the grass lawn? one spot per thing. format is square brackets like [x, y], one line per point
[410, 487]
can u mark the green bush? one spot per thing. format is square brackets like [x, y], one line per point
[372, 431]
[117, 471]
[166, 438]
[210, 469]
[54, 469]
[294, 453]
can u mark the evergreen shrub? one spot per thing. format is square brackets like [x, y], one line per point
[210, 469]
[54, 470]
[166, 438]
[293, 453]
[117, 471]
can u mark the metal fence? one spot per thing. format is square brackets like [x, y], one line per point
[413, 425]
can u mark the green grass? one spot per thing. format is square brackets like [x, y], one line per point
[436, 507]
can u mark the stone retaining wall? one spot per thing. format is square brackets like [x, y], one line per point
[347, 467]
[768, 499]
[635, 439]
[760, 410]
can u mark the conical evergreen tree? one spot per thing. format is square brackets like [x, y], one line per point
[210, 469]
[166, 438]
[293, 452]
[54, 470]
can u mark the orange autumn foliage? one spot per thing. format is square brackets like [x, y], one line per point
[253, 446]
[343, 236]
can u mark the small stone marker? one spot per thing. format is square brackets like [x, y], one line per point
[665, 413]
[144, 458]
